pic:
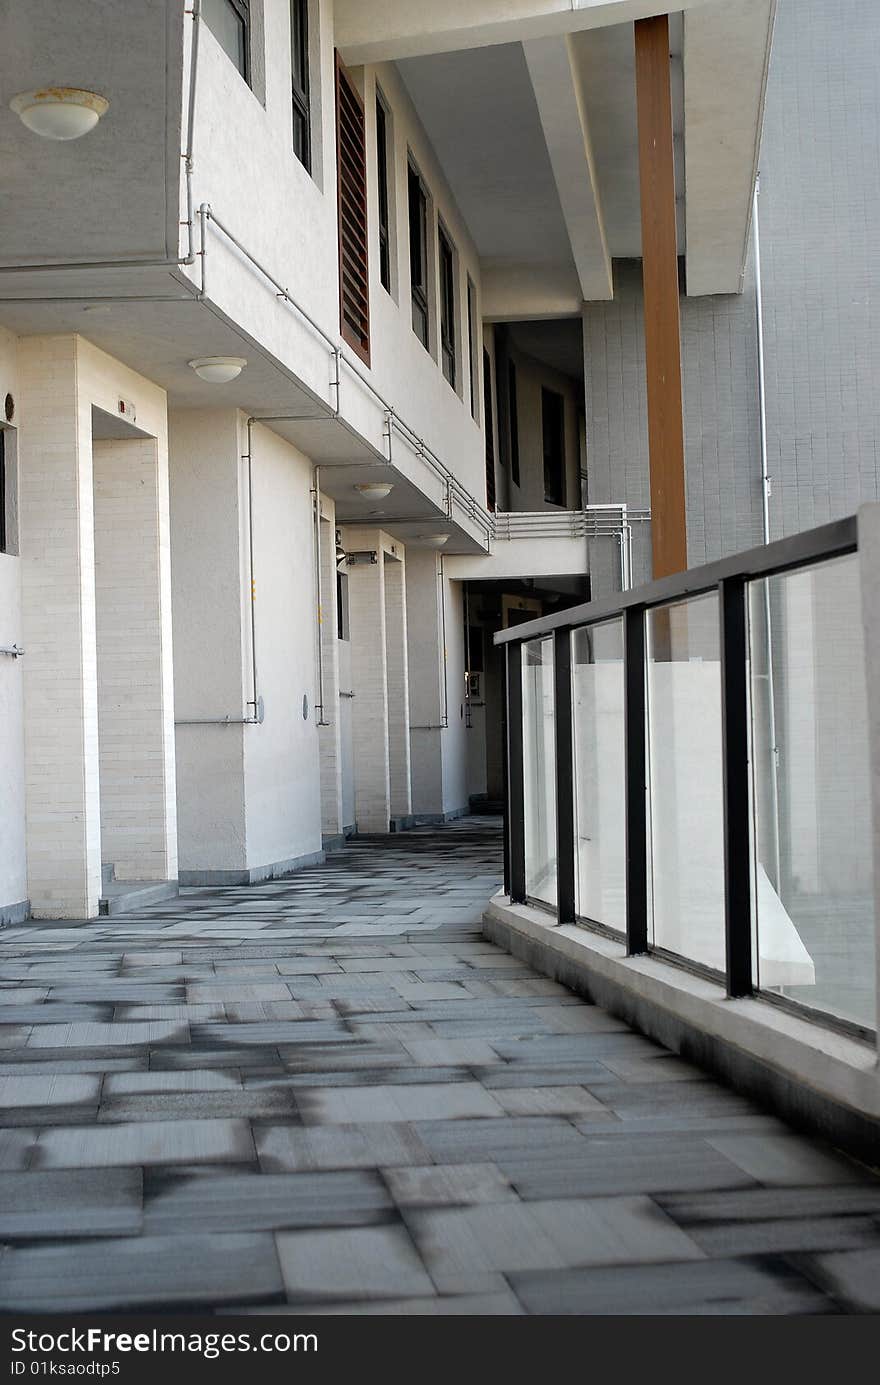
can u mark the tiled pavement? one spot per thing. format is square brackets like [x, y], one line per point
[329, 1092]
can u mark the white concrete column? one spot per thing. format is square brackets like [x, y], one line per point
[135, 711]
[208, 574]
[397, 675]
[426, 672]
[366, 602]
[58, 609]
[329, 738]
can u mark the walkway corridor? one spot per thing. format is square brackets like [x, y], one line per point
[329, 1092]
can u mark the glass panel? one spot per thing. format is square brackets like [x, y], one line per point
[228, 28]
[812, 798]
[686, 780]
[600, 773]
[539, 775]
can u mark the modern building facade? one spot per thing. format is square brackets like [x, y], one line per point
[323, 356]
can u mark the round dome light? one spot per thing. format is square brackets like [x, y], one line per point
[219, 370]
[59, 113]
[374, 490]
[433, 540]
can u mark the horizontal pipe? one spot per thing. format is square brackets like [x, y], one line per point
[783, 555]
[12, 650]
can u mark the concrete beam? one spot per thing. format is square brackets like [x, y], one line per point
[373, 31]
[529, 292]
[562, 108]
[726, 59]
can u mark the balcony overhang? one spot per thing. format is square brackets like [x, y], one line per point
[381, 32]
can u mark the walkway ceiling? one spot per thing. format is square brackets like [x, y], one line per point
[538, 141]
[118, 188]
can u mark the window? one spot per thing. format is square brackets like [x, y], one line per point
[472, 353]
[351, 159]
[299, 77]
[447, 306]
[229, 22]
[553, 427]
[382, 174]
[490, 431]
[514, 422]
[418, 255]
[342, 606]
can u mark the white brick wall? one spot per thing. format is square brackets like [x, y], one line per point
[135, 833]
[61, 378]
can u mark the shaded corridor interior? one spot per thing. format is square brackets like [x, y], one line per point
[330, 1092]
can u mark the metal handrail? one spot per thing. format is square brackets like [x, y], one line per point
[829, 541]
[730, 580]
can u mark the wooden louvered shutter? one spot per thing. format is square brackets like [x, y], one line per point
[351, 162]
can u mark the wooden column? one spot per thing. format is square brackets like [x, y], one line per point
[660, 277]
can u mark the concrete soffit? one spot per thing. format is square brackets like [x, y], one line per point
[371, 31]
[562, 109]
[726, 62]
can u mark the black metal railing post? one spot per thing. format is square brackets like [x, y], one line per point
[636, 782]
[516, 840]
[732, 598]
[565, 843]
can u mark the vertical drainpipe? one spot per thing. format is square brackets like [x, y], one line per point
[766, 487]
[319, 609]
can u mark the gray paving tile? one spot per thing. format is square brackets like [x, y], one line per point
[416, 1102]
[608, 1165]
[367, 1262]
[75, 1202]
[853, 1277]
[186, 1080]
[49, 1089]
[144, 1272]
[453, 1184]
[500, 1304]
[147, 1142]
[551, 1101]
[283, 1147]
[105, 1035]
[690, 1288]
[266, 1202]
[16, 1146]
[785, 1159]
[248, 1103]
[430, 1051]
[464, 1248]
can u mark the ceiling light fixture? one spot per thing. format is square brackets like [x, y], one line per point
[433, 540]
[219, 370]
[59, 113]
[374, 490]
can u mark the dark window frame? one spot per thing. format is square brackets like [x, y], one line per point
[446, 261]
[243, 13]
[490, 431]
[417, 200]
[300, 82]
[513, 410]
[553, 415]
[472, 344]
[382, 187]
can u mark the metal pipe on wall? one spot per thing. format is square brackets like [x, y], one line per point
[319, 610]
[766, 488]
